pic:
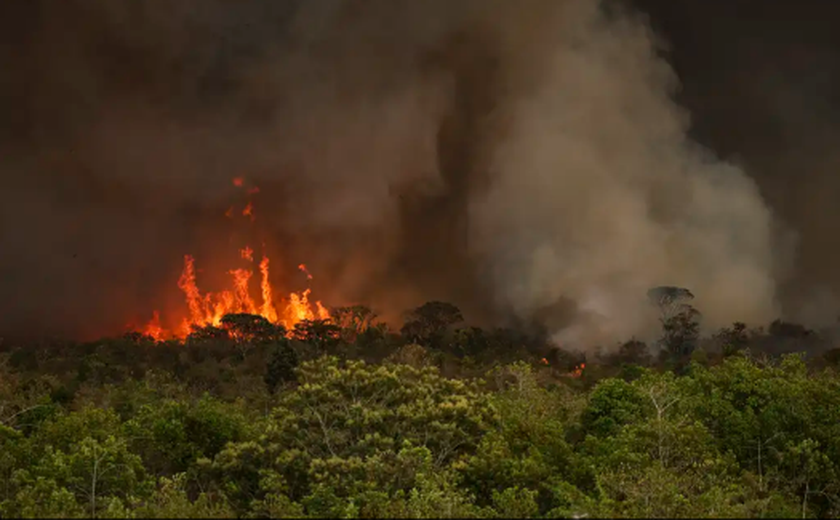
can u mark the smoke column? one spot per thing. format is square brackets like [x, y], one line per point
[520, 159]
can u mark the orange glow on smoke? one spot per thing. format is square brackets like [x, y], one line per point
[208, 309]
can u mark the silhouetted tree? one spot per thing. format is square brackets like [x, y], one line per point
[281, 366]
[633, 352]
[251, 327]
[670, 300]
[732, 340]
[324, 335]
[207, 333]
[680, 333]
[428, 323]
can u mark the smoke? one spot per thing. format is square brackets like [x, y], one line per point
[598, 194]
[519, 159]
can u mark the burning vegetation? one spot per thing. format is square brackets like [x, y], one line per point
[210, 309]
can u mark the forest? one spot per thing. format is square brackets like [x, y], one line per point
[348, 418]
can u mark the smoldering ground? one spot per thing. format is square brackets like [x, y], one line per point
[505, 156]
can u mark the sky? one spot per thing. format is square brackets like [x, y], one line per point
[545, 160]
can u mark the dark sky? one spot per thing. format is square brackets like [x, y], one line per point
[94, 96]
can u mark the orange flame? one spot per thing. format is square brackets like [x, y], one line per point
[209, 309]
[268, 310]
[154, 329]
[578, 371]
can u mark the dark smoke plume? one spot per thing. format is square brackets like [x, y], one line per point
[509, 157]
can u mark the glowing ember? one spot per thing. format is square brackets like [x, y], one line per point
[302, 267]
[248, 211]
[238, 181]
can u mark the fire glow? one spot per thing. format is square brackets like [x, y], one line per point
[208, 309]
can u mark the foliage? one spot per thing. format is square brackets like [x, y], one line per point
[346, 418]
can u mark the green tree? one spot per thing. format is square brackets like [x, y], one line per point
[344, 427]
[171, 500]
[95, 472]
[518, 464]
[172, 435]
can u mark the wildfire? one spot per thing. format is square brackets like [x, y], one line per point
[208, 309]
[576, 373]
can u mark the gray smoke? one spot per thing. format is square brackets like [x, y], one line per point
[506, 156]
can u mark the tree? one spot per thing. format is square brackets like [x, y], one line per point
[344, 427]
[669, 299]
[251, 328]
[680, 333]
[776, 421]
[171, 435]
[516, 465]
[171, 500]
[428, 323]
[95, 472]
[613, 404]
[324, 335]
[732, 340]
[281, 366]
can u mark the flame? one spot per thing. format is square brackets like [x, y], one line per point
[154, 329]
[544, 361]
[268, 310]
[209, 309]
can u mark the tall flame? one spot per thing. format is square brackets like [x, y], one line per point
[209, 309]
[268, 310]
